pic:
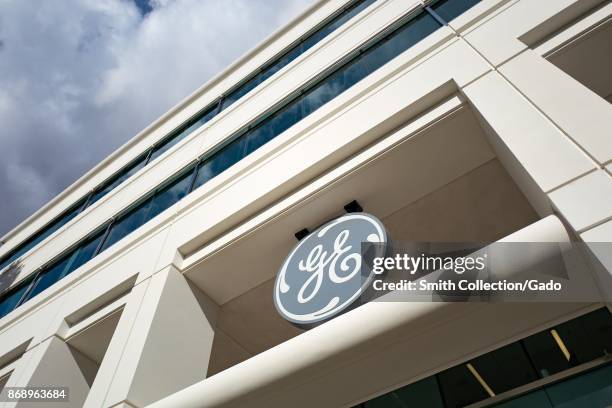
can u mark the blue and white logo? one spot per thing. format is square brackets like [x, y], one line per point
[325, 273]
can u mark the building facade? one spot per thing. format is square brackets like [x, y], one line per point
[149, 281]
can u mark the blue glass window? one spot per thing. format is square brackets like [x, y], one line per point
[66, 264]
[170, 194]
[220, 161]
[11, 299]
[586, 339]
[49, 229]
[85, 251]
[449, 9]
[280, 62]
[118, 178]
[399, 41]
[127, 223]
[49, 276]
[257, 137]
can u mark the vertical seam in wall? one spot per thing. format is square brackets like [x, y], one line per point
[122, 354]
[165, 241]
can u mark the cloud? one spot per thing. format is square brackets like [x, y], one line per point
[78, 78]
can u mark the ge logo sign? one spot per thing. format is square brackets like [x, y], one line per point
[326, 273]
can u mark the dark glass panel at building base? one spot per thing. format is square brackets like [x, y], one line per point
[117, 179]
[424, 393]
[505, 368]
[510, 367]
[593, 390]
[127, 223]
[46, 231]
[86, 251]
[590, 390]
[459, 387]
[537, 399]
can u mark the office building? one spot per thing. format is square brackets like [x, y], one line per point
[150, 280]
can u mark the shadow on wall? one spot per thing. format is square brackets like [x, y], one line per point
[9, 275]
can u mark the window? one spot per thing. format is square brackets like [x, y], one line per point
[570, 344]
[127, 223]
[588, 338]
[449, 9]
[49, 229]
[283, 60]
[187, 129]
[170, 194]
[11, 299]
[117, 179]
[86, 250]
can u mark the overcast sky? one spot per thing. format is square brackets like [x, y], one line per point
[80, 77]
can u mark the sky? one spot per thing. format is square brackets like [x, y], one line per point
[78, 78]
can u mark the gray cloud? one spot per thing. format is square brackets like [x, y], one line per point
[78, 78]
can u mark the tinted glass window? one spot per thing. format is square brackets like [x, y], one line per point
[10, 300]
[505, 368]
[399, 41]
[127, 223]
[460, 387]
[333, 86]
[10, 257]
[295, 52]
[572, 343]
[43, 233]
[537, 399]
[180, 135]
[85, 251]
[220, 161]
[50, 275]
[242, 90]
[286, 117]
[170, 194]
[593, 389]
[449, 9]
[118, 178]
[282, 62]
[337, 22]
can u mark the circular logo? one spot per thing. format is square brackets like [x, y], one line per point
[326, 273]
